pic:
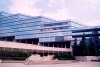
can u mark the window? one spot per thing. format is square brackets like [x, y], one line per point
[65, 23]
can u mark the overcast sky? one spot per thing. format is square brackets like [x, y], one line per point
[84, 11]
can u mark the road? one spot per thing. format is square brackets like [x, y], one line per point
[78, 64]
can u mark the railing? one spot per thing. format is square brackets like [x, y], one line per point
[16, 45]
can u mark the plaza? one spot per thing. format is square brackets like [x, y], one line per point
[67, 64]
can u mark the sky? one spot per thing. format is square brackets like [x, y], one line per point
[83, 11]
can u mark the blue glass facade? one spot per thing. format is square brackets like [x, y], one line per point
[42, 28]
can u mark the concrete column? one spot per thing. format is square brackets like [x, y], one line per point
[38, 44]
[32, 42]
[5, 40]
[53, 52]
[58, 52]
[19, 41]
[48, 52]
[25, 50]
[43, 44]
[26, 42]
[4, 48]
[53, 44]
[53, 47]
[58, 45]
[48, 44]
[31, 51]
[19, 49]
[14, 40]
[37, 51]
[65, 45]
[43, 52]
[61, 46]
[71, 46]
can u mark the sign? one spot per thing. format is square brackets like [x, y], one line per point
[59, 38]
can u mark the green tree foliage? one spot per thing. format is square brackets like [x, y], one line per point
[84, 47]
[75, 43]
[75, 48]
[93, 48]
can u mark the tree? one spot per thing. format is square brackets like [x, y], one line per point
[75, 48]
[84, 46]
[93, 48]
[75, 43]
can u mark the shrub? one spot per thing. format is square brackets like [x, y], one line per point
[13, 55]
[64, 56]
[6, 58]
[19, 58]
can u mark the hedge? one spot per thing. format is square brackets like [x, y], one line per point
[13, 55]
[6, 58]
[13, 58]
[64, 56]
[19, 58]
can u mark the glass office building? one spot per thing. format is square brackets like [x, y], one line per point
[42, 30]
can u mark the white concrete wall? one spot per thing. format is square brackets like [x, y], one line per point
[31, 47]
[86, 58]
[81, 58]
